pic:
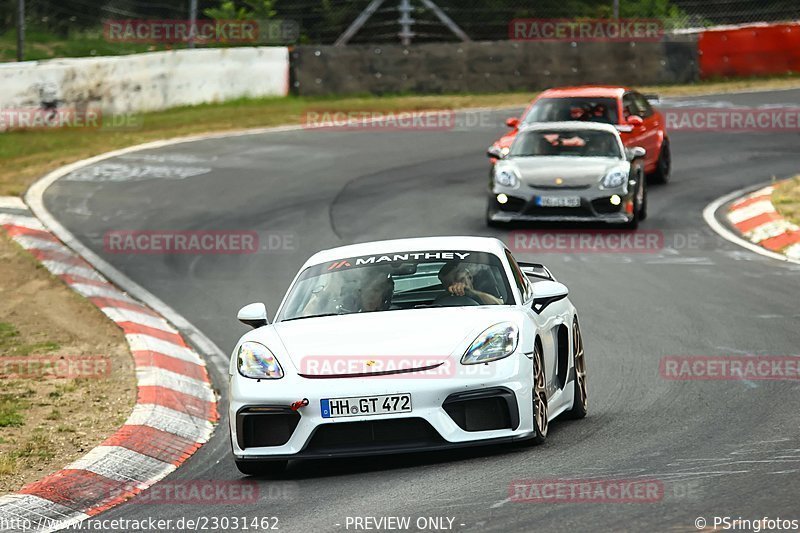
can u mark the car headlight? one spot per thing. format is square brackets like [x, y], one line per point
[495, 343]
[506, 178]
[614, 179]
[255, 361]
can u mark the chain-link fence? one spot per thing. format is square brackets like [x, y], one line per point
[57, 28]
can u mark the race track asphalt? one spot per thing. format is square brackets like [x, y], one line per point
[720, 448]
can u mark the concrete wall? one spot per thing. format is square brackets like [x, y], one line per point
[489, 66]
[147, 82]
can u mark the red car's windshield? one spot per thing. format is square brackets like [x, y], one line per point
[602, 110]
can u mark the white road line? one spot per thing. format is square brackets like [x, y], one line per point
[153, 376]
[12, 202]
[59, 268]
[751, 211]
[140, 341]
[21, 221]
[159, 417]
[708, 215]
[45, 515]
[122, 464]
[118, 314]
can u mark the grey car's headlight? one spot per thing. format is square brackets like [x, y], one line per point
[495, 343]
[614, 179]
[255, 361]
[506, 178]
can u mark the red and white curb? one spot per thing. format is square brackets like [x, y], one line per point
[756, 218]
[174, 414]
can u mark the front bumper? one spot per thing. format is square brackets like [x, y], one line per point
[595, 205]
[501, 402]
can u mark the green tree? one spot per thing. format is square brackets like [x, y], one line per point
[232, 10]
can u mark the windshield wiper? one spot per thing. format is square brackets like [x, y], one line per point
[310, 316]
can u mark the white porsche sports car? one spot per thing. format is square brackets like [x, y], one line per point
[403, 346]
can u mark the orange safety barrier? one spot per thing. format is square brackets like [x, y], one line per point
[756, 50]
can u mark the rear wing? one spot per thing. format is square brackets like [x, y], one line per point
[652, 98]
[536, 270]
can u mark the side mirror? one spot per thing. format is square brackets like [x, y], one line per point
[547, 292]
[512, 122]
[635, 120]
[635, 153]
[254, 315]
[494, 152]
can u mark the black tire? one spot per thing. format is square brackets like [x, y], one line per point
[664, 165]
[643, 208]
[639, 207]
[262, 468]
[580, 398]
[634, 222]
[540, 422]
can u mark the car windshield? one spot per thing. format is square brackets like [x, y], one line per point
[403, 280]
[602, 110]
[584, 143]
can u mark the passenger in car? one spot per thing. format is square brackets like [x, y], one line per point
[457, 279]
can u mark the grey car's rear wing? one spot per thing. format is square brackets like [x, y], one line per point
[536, 270]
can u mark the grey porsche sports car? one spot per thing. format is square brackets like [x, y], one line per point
[571, 172]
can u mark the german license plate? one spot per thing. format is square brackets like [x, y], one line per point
[558, 201]
[365, 405]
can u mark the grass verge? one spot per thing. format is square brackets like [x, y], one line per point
[786, 199]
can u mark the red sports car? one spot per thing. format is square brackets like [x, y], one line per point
[638, 122]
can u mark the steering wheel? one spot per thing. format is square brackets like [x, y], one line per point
[450, 300]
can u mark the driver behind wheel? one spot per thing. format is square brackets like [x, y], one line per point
[457, 279]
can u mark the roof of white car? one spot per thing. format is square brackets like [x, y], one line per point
[570, 125]
[417, 244]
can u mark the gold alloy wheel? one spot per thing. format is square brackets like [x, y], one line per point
[580, 368]
[539, 394]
